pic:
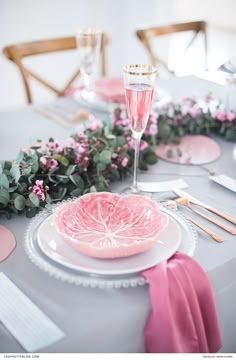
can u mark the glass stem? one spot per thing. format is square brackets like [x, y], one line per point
[137, 139]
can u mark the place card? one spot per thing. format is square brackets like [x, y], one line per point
[225, 181]
[160, 186]
[25, 321]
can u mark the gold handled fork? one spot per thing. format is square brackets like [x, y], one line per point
[186, 203]
[172, 204]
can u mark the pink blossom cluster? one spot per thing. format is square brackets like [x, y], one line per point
[224, 115]
[47, 162]
[80, 146]
[118, 160]
[55, 146]
[39, 189]
[131, 144]
[190, 107]
[119, 117]
[152, 127]
[94, 123]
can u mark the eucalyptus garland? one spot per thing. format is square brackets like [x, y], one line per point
[88, 161]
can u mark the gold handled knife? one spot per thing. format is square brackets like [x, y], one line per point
[193, 200]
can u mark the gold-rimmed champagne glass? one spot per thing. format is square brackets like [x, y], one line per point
[139, 88]
[89, 46]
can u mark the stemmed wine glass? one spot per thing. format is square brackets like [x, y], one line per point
[89, 46]
[139, 89]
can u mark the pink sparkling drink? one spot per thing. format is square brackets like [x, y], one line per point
[139, 99]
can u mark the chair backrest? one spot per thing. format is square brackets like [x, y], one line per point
[148, 34]
[18, 52]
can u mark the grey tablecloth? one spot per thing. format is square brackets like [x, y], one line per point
[112, 320]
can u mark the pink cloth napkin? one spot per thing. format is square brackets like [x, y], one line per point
[183, 317]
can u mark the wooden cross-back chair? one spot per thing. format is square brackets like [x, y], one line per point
[18, 52]
[148, 34]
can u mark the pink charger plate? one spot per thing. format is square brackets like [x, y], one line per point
[7, 242]
[106, 225]
[110, 89]
[193, 149]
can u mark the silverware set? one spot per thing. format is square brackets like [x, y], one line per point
[186, 200]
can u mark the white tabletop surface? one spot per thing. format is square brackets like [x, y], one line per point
[112, 320]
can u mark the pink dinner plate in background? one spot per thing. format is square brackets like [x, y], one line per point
[110, 89]
[7, 242]
[193, 149]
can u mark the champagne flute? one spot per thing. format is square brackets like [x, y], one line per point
[89, 46]
[139, 89]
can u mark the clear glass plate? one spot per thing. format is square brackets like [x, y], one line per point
[91, 278]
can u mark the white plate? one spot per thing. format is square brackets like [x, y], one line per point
[87, 279]
[53, 246]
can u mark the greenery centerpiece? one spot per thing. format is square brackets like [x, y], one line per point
[88, 161]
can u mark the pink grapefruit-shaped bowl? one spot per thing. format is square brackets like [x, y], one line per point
[106, 225]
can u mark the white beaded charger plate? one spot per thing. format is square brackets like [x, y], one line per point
[64, 264]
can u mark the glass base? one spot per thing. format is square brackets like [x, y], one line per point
[132, 190]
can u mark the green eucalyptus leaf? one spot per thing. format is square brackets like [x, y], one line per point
[115, 173]
[31, 212]
[15, 173]
[120, 140]
[61, 159]
[105, 156]
[62, 192]
[77, 180]
[4, 183]
[164, 131]
[101, 166]
[26, 171]
[34, 199]
[76, 192]
[20, 157]
[70, 169]
[4, 197]
[48, 206]
[12, 188]
[63, 179]
[21, 188]
[151, 158]
[19, 202]
[48, 199]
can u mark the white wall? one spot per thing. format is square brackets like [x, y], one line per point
[25, 20]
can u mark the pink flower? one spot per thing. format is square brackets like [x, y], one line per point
[77, 158]
[153, 129]
[40, 195]
[114, 166]
[94, 124]
[39, 183]
[231, 116]
[43, 160]
[114, 155]
[48, 162]
[220, 115]
[52, 164]
[194, 112]
[39, 190]
[143, 145]
[124, 161]
[59, 149]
